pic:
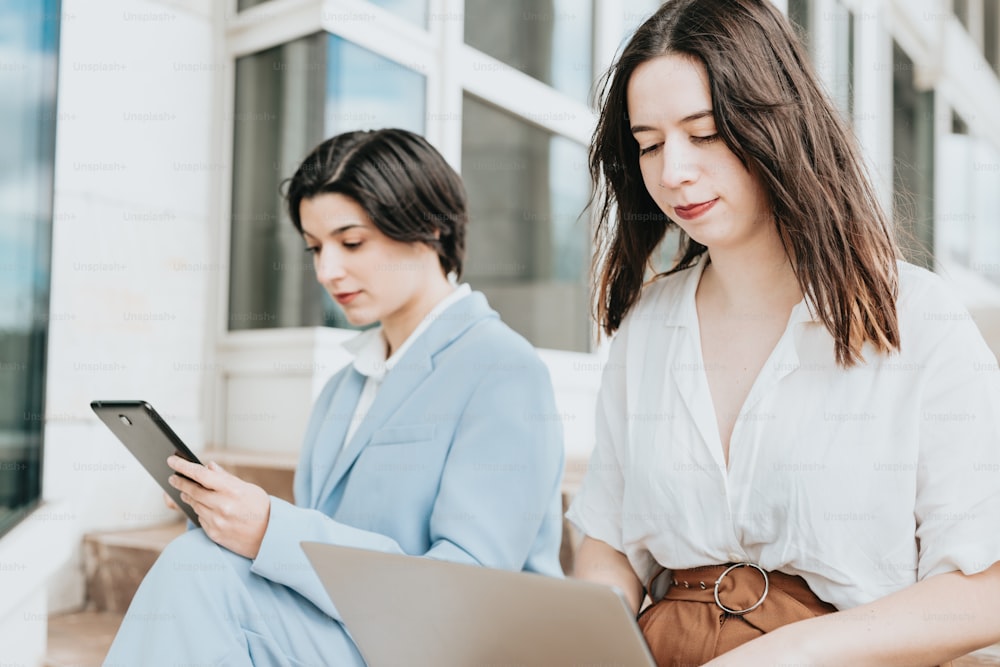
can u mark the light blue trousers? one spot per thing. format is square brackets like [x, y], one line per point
[201, 605]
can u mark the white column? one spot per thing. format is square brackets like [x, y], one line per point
[873, 96]
[824, 39]
[608, 28]
[976, 21]
[444, 90]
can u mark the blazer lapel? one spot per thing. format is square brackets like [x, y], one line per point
[405, 377]
[329, 439]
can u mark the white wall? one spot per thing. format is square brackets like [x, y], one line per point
[134, 266]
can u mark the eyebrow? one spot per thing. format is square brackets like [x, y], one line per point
[335, 232]
[698, 115]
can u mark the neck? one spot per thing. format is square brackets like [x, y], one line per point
[399, 327]
[759, 277]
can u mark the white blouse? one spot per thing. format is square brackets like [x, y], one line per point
[368, 349]
[862, 481]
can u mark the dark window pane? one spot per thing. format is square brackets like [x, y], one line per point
[991, 33]
[528, 244]
[247, 4]
[800, 13]
[913, 162]
[550, 40]
[961, 9]
[288, 99]
[29, 32]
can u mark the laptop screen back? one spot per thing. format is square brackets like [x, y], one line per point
[406, 610]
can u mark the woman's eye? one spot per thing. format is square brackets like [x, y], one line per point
[312, 250]
[648, 149]
[351, 245]
[706, 139]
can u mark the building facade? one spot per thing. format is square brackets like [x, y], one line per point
[175, 277]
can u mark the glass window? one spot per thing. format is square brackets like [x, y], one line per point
[842, 86]
[991, 33]
[634, 13]
[800, 13]
[529, 238]
[985, 213]
[414, 11]
[550, 40]
[288, 99]
[247, 4]
[961, 9]
[968, 223]
[29, 32]
[913, 162]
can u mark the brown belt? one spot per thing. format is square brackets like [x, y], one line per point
[733, 604]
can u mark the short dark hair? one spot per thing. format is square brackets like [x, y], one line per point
[410, 193]
[772, 113]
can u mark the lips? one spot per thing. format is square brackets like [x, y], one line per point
[692, 211]
[344, 298]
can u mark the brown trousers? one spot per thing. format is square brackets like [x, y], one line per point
[687, 628]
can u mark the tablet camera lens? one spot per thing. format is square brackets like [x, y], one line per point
[125, 420]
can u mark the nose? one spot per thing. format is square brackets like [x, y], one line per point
[329, 266]
[678, 167]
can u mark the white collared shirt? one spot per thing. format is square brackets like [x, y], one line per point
[369, 349]
[862, 481]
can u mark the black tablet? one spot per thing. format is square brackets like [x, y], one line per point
[150, 440]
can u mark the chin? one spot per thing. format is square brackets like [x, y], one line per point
[359, 319]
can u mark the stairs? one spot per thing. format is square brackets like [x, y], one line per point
[116, 561]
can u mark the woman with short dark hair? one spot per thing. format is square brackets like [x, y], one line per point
[424, 445]
[798, 434]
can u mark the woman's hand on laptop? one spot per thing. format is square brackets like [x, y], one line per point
[233, 513]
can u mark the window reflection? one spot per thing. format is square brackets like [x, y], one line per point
[528, 244]
[913, 161]
[550, 40]
[968, 206]
[414, 11]
[247, 4]
[288, 99]
[29, 33]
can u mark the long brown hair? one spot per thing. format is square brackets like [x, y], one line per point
[772, 114]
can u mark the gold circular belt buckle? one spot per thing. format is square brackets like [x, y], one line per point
[740, 612]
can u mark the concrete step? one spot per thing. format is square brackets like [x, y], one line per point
[81, 639]
[116, 561]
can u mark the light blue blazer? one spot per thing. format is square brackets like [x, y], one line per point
[459, 458]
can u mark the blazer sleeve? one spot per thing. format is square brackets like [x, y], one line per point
[504, 465]
[500, 486]
[283, 561]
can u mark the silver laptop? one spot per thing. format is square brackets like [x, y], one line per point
[414, 611]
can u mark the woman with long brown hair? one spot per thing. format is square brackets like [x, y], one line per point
[798, 434]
